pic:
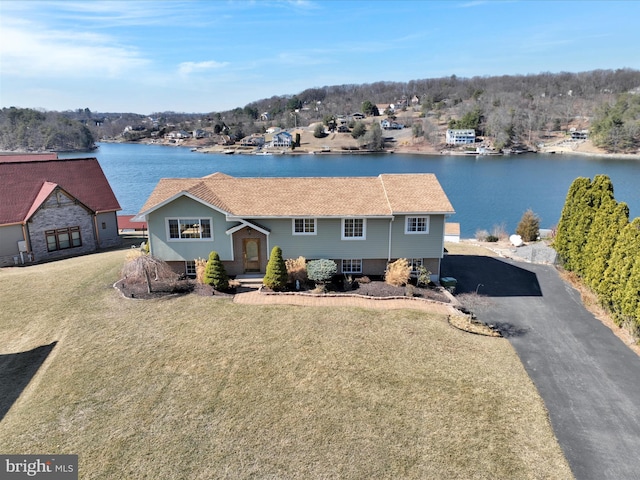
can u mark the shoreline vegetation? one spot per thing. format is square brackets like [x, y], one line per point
[396, 143]
[547, 113]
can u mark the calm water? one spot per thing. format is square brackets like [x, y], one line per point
[484, 191]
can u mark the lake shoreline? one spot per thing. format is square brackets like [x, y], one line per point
[239, 150]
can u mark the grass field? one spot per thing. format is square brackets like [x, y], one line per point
[200, 388]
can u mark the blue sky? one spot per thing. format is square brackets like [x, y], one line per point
[204, 56]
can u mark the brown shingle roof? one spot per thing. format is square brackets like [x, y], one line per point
[384, 195]
[22, 181]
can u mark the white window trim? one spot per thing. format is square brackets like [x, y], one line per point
[186, 268]
[206, 239]
[351, 260]
[417, 262]
[364, 229]
[293, 226]
[422, 232]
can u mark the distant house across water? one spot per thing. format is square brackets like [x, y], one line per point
[460, 136]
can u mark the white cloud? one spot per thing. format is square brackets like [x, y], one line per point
[28, 50]
[187, 68]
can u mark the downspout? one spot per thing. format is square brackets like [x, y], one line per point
[95, 229]
[390, 229]
[26, 236]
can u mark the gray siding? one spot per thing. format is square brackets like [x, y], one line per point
[9, 238]
[185, 207]
[429, 245]
[328, 243]
[107, 224]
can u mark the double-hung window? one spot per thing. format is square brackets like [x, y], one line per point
[416, 225]
[190, 268]
[354, 229]
[415, 264]
[189, 228]
[351, 265]
[304, 226]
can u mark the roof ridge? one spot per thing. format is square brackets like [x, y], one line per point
[212, 197]
[386, 195]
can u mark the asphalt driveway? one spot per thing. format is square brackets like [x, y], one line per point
[588, 379]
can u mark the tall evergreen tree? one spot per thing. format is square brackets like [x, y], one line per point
[565, 241]
[626, 250]
[607, 224]
[630, 298]
[618, 271]
[597, 192]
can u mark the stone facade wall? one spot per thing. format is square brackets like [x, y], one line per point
[60, 211]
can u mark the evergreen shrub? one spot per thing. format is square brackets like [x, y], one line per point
[215, 273]
[276, 276]
[322, 270]
[529, 226]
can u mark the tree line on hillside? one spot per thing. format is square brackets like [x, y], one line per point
[596, 241]
[27, 130]
[507, 110]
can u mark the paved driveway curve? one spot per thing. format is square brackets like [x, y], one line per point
[588, 379]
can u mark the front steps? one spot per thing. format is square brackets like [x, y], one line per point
[251, 281]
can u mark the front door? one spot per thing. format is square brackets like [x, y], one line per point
[251, 254]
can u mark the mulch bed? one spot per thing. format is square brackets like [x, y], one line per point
[375, 288]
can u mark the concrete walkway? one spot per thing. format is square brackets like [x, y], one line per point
[311, 300]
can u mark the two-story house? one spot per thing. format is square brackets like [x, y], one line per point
[460, 136]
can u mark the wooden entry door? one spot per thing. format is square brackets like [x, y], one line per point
[251, 254]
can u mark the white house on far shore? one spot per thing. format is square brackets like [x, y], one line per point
[460, 136]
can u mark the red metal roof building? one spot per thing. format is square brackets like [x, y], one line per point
[51, 208]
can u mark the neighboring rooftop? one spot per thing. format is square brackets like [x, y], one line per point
[24, 180]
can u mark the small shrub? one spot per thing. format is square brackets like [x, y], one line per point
[348, 283]
[319, 289]
[529, 226]
[201, 265]
[500, 231]
[398, 273]
[215, 273]
[409, 290]
[424, 276]
[143, 269]
[491, 238]
[364, 280]
[296, 269]
[321, 271]
[132, 254]
[318, 131]
[276, 275]
[481, 235]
